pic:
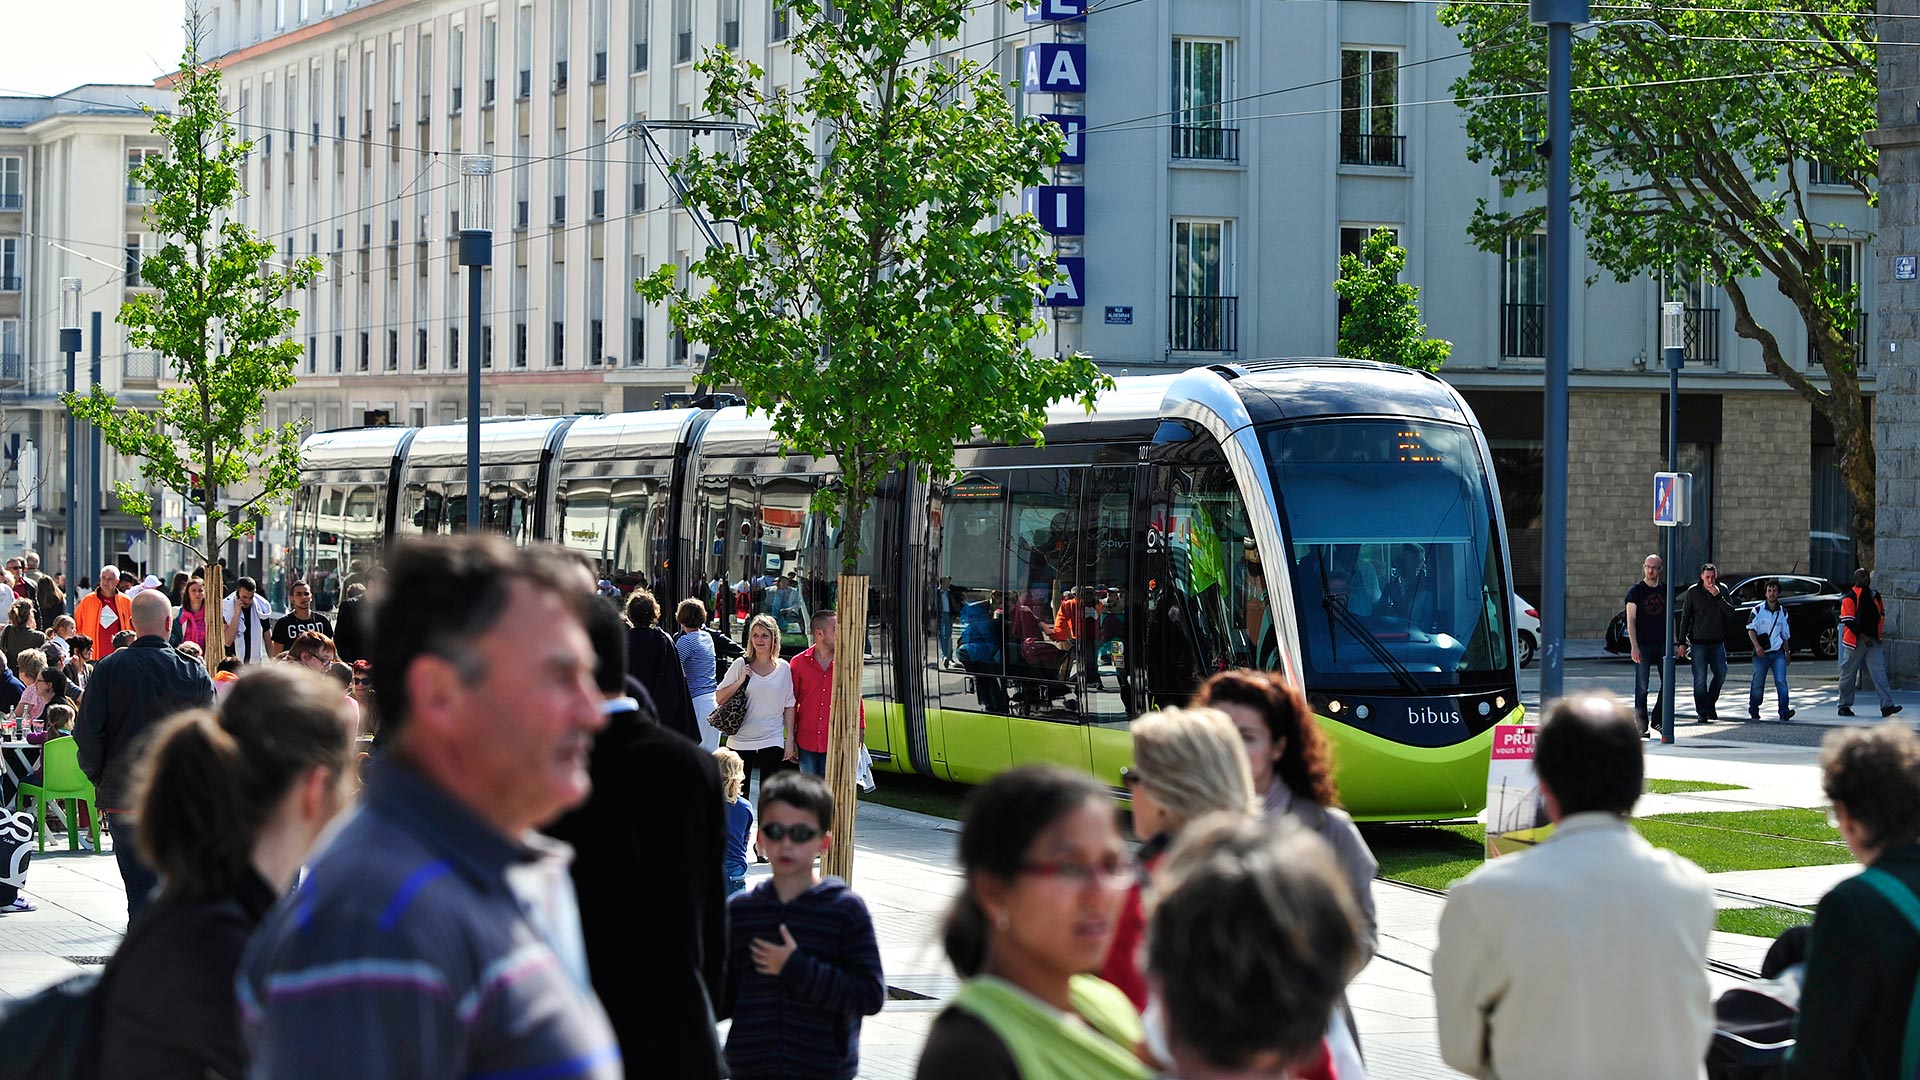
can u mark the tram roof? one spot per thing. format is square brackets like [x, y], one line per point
[507, 441]
[352, 448]
[1308, 387]
[626, 435]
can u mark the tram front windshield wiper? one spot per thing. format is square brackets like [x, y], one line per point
[1337, 611]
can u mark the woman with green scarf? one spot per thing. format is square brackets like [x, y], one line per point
[1047, 871]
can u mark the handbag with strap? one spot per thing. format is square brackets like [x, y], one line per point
[727, 718]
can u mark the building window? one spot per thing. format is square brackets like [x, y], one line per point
[393, 350]
[597, 37]
[1369, 94]
[1352, 239]
[730, 23]
[423, 78]
[136, 160]
[520, 344]
[1202, 84]
[557, 307]
[1840, 260]
[636, 340]
[638, 13]
[489, 58]
[139, 246]
[523, 54]
[560, 45]
[366, 350]
[782, 22]
[1824, 175]
[10, 261]
[1204, 307]
[486, 345]
[1701, 330]
[336, 354]
[456, 67]
[682, 31]
[1523, 297]
[420, 349]
[10, 190]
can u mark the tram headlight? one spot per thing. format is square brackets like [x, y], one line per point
[1500, 702]
[1333, 708]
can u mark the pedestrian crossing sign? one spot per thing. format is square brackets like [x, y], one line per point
[1672, 498]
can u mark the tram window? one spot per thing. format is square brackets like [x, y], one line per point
[633, 521]
[973, 605]
[583, 517]
[1102, 620]
[793, 570]
[1219, 584]
[508, 510]
[1047, 546]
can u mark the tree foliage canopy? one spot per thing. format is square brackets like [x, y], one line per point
[1699, 131]
[880, 297]
[1384, 321]
[215, 310]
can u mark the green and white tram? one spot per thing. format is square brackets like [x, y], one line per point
[1332, 519]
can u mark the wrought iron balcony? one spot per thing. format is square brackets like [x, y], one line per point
[1523, 330]
[1206, 142]
[1357, 149]
[1204, 324]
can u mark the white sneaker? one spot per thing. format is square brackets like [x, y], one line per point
[86, 843]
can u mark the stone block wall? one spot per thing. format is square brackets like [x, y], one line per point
[1763, 482]
[1896, 406]
[1614, 446]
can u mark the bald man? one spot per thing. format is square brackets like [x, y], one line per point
[131, 691]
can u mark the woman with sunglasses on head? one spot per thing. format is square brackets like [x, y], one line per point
[1187, 763]
[1293, 772]
[229, 806]
[1047, 871]
[765, 739]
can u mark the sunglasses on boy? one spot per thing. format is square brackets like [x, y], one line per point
[799, 834]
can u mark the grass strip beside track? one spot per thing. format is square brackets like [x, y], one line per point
[1718, 850]
[1431, 856]
[920, 794]
[1682, 787]
[1764, 922]
[1797, 824]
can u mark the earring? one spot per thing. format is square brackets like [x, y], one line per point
[1000, 922]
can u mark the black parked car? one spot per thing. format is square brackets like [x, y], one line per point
[1813, 611]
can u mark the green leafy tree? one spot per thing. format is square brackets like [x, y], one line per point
[1691, 124]
[1383, 322]
[879, 299]
[215, 311]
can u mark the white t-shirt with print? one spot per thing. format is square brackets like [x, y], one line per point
[768, 697]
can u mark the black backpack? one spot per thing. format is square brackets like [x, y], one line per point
[51, 1035]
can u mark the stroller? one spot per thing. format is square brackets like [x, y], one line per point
[1753, 1027]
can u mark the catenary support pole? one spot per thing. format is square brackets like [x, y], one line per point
[1675, 357]
[1559, 17]
[96, 541]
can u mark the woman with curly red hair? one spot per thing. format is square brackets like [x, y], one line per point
[1292, 773]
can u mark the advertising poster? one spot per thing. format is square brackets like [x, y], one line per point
[1516, 814]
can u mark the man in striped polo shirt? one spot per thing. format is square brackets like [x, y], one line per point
[437, 934]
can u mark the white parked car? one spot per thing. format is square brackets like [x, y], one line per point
[1526, 628]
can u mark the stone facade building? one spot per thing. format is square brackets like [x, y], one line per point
[1896, 417]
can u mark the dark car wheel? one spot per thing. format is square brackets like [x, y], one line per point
[1617, 642]
[1827, 645]
[1527, 649]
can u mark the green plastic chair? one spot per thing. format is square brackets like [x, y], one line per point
[61, 778]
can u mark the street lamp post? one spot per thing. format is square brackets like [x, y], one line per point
[1673, 349]
[70, 344]
[1559, 17]
[476, 252]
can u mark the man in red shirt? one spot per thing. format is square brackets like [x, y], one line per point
[813, 695]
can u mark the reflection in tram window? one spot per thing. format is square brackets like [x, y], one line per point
[338, 530]
[1396, 560]
[638, 521]
[1219, 594]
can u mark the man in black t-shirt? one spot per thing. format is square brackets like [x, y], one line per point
[1647, 633]
[298, 621]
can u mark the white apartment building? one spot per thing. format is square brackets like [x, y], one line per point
[68, 208]
[1222, 154]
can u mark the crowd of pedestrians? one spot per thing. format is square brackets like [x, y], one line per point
[546, 873]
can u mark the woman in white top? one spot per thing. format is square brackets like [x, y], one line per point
[765, 739]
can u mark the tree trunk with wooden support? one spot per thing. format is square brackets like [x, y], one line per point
[216, 649]
[844, 737]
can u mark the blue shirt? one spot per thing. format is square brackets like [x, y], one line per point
[696, 662]
[409, 952]
[805, 1021]
[739, 823]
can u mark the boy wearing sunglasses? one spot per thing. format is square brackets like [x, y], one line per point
[803, 966]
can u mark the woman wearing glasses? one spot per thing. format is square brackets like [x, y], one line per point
[1188, 763]
[1047, 871]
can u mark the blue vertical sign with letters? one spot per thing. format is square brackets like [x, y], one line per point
[1074, 152]
[1069, 288]
[1054, 69]
[1055, 11]
[1062, 209]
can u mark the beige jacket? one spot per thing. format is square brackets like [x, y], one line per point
[1585, 957]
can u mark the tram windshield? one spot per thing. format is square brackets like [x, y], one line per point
[1394, 555]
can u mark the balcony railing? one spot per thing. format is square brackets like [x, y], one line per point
[9, 283]
[1205, 324]
[1206, 142]
[10, 200]
[12, 367]
[1700, 334]
[1523, 330]
[141, 369]
[1857, 337]
[1357, 149]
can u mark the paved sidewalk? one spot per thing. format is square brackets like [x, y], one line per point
[907, 872]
